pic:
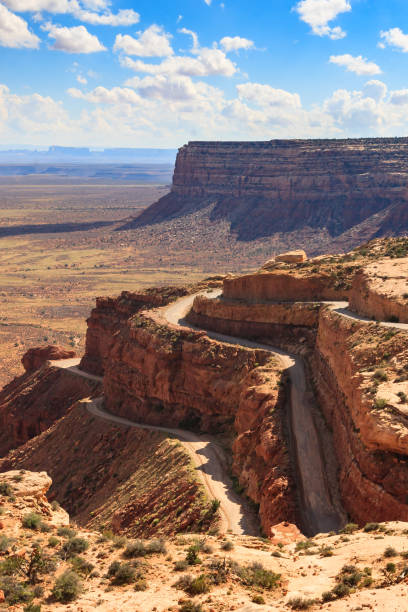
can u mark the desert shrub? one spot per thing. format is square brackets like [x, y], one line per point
[156, 547]
[5, 543]
[67, 587]
[31, 520]
[390, 567]
[257, 575]
[341, 590]
[227, 545]
[304, 545]
[32, 608]
[15, 592]
[349, 528]
[328, 596]
[181, 566]
[390, 552]
[203, 546]
[45, 527]
[380, 374]
[75, 546]
[135, 549]
[199, 585]
[326, 551]
[220, 571]
[119, 541]
[380, 403]
[11, 566]
[300, 603]
[53, 541]
[55, 505]
[140, 584]
[258, 599]
[371, 527]
[5, 489]
[192, 557]
[215, 505]
[121, 573]
[190, 606]
[81, 566]
[66, 532]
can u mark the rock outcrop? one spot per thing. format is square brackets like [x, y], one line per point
[34, 401]
[263, 188]
[34, 358]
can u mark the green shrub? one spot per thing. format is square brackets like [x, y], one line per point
[215, 505]
[156, 547]
[5, 543]
[227, 545]
[341, 590]
[75, 546]
[11, 566]
[135, 549]
[15, 592]
[199, 585]
[5, 489]
[304, 545]
[140, 584]
[81, 566]
[53, 541]
[32, 608]
[190, 606]
[258, 599]
[380, 374]
[371, 527]
[390, 552]
[326, 551]
[121, 573]
[192, 557]
[119, 541]
[256, 575]
[349, 528]
[300, 603]
[32, 520]
[66, 532]
[181, 566]
[390, 567]
[328, 596]
[67, 587]
[380, 403]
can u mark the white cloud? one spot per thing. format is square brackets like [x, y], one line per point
[395, 37]
[73, 40]
[359, 64]
[377, 90]
[318, 13]
[208, 2]
[265, 95]
[399, 97]
[194, 36]
[14, 31]
[94, 12]
[235, 43]
[81, 79]
[153, 42]
[101, 95]
[208, 62]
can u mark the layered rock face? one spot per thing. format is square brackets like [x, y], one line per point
[160, 374]
[380, 291]
[34, 401]
[34, 358]
[286, 185]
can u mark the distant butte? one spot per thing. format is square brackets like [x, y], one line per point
[355, 187]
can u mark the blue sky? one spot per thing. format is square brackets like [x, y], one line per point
[155, 73]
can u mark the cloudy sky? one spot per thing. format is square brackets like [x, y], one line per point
[160, 73]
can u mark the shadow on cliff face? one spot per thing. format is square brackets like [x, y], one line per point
[51, 228]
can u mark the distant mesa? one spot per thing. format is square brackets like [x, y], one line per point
[354, 188]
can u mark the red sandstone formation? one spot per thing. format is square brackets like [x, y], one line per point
[264, 188]
[34, 358]
[34, 401]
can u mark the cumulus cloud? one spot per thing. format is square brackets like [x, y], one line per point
[359, 65]
[235, 43]
[375, 89]
[396, 38]
[318, 13]
[153, 42]
[207, 63]
[14, 31]
[265, 95]
[172, 88]
[73, 40]
[93, 12]
[101, 95]
[399, 97]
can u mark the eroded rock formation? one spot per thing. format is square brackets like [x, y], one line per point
[34, 358]
[286, 185]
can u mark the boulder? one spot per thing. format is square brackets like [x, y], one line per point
[34, 358]
[292, 257]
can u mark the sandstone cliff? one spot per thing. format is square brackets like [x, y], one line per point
[279, 186]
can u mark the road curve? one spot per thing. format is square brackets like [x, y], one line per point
[236, 514]
[319, 514]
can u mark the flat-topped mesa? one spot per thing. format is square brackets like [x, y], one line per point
[286, 185]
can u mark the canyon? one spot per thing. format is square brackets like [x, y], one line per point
[343, 192]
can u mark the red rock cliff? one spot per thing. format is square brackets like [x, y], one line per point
[286, 185]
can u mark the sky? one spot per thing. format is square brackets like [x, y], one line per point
[156, 73]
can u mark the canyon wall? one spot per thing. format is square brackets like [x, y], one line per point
[286, 185]
[163, 375]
